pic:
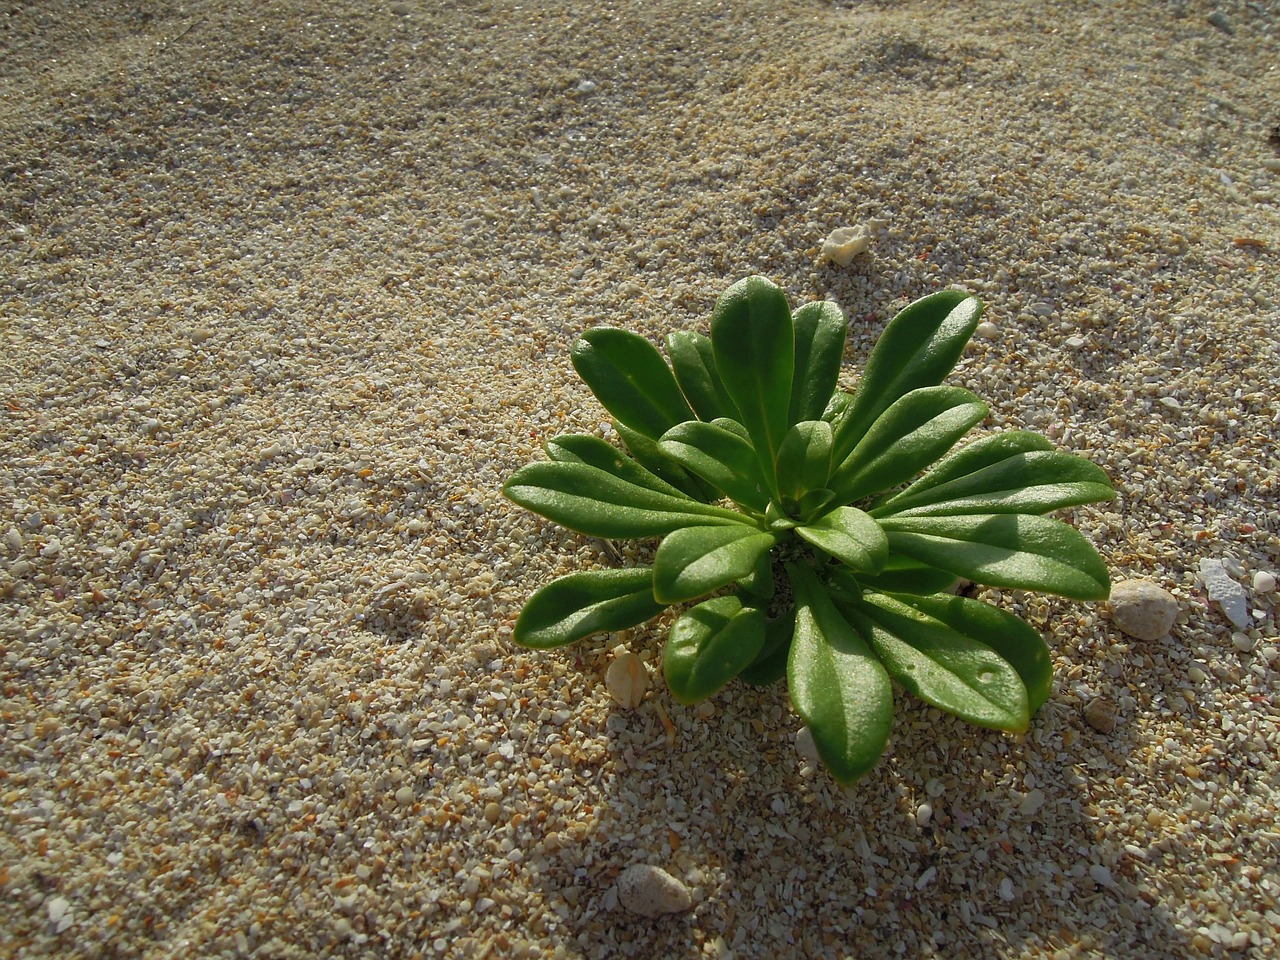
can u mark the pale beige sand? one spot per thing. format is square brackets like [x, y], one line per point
[286, 292]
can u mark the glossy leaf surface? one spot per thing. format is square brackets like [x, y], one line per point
[694, 365]
[694, 561]
[914, 432]
[804, 459]
[836, 683]
[753, 342]
[719, 456]
[631, 380]
[941, 665]
[1004, 550]
[851, 537]
[918, 348]
[819, 350]
[591, 501]
[1037, 481]
[581, 604]
[770, 664]
[710, 645]
[648, 455]
[584, 448]
[1010, 637]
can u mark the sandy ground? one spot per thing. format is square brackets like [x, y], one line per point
[287, 291]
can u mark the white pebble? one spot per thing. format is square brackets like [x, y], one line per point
[1032, 802]
[926, 878]
[1142, 609]
[987, 330]
[924, 813]
[404, 796]
[1242, 641]
[1101, 875]
[57, 908]
[1006, 889]
[651, 892]
[805, 747]
[1264, 582]
[845, 243]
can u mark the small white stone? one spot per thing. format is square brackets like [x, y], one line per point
[1242, 641]
[1032, 802]
[58, 908]
[1142, 609]
[1101, 875]
[404, 796]
[651, 892]
[1264, 582]
[1006, 889]
[805, 747]
[987, 330]
[845, 243]
[924, 813]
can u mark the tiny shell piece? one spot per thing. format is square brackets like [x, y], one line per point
[627, 680]
[845, 243]
[1101, 714]
[1224, 591]
[651, 892]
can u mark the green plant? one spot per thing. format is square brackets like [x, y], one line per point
[833, 568]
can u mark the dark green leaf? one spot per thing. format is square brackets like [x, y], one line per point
[1004, 550]
[851, 537]
[658, 463]
[1010, 637]
[914, 432]
[589, 500]
[1026, 481]
[754, 345]
[804, 459]
[904, 575]
[581, 604]
[819, 339]
[770, 664]
[696, 560]
[584, 448]
[942, 666]
[836, 683]
[918, 348]
[710, 645]
[631, 380]
[694, 365]
[719, 456]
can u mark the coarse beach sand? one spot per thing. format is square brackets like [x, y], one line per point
[288, 289]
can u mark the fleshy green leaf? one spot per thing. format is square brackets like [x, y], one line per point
[581, 604]
[939, 664]
[904, 575]
[1004, 550]
[836, 683]
[589, 500]
[804, 459]
[719, 456]
[631, 380]
[914, 432]
[819, 339]
[658, 463]
[710, 645]
[1007, 635]
[851, 537]
[1033, 481]
[693, 561]
[770, 664]
[584, 448]
[753, 341]
[918, 348]
[694, 365]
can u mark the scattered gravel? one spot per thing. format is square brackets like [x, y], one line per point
[287, 291]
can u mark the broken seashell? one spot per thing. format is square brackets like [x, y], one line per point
[845, 243]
